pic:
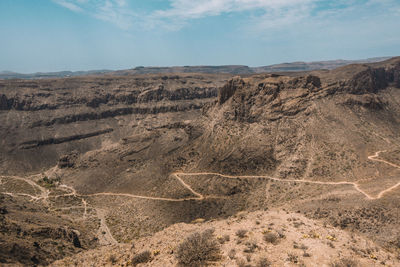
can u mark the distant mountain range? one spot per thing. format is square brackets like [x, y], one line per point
[42, 75]
[317, 65]
[231, 69]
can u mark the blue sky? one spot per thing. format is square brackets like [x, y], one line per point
[54, 35]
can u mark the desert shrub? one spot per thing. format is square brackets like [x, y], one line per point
[49, 182]
[263, 262]
[241, 233]
[397, 242]
[281, 234]
[299, 246]
[198, 249]
[223, 239]
[271, 238]
[251, 246]
[232, 254]
[345, 262]
[112, 259]
[293, 258]
[248, 257]
[242, 263]
[142, 257]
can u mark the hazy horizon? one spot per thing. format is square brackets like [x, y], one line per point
[88, 70]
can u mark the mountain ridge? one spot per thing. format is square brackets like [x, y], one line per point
[229, 69]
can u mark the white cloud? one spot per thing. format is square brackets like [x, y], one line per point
[119, 13]
[116, 13]
[70, 5]
[261, 14]
[113, 11]
[202, 8]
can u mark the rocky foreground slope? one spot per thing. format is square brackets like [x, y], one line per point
[263, 238]
[112, 160]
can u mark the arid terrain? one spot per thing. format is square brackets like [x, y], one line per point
[286, 169]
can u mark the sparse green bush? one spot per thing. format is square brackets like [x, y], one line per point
[345, 262]
[49, 182]
[198, 249]
[142, 257]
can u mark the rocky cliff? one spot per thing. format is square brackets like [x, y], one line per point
[50, 117]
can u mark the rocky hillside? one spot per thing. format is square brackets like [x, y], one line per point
[44, 119]
[118, 159]
[272, 238]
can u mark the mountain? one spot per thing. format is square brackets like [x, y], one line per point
[318, 65]
[229, 69]
[96, 170]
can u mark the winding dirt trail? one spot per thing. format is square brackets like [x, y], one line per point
[141, 197]
[33, 198]
[375, 158]
[44, 193]
[104, 233]
[354, 184]
[197, 196]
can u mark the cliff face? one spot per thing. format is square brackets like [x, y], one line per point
[56, 116]
[374, 79]
[33, 101]
[229, 89]
[272, 96]
[275, 122]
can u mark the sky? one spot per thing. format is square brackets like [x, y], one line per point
[56, 35]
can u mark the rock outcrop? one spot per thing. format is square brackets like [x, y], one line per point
[229, 89]
[373, 79]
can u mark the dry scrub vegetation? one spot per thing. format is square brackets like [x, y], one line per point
[198, 249]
